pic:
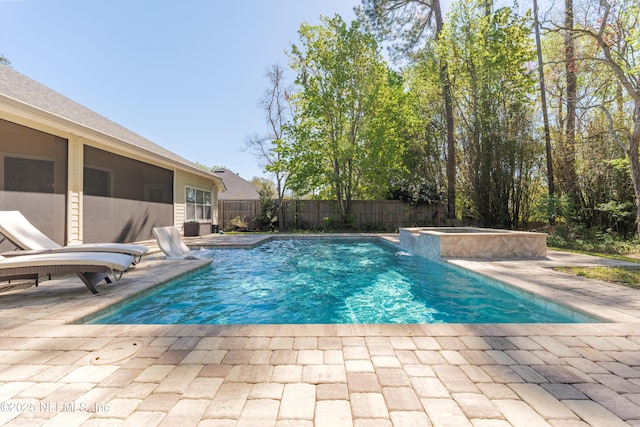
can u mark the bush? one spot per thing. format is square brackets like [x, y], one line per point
[239, 223]
[267, 219]
[582, 239]
[416, 191]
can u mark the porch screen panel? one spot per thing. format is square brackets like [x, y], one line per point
[124, 198]
[33, 178]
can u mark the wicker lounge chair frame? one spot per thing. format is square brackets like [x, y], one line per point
[91, 273]
[88, 277]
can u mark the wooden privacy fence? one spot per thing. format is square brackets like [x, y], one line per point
[323, 214]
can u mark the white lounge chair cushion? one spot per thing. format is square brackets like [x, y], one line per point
[114, 261]
[125, 248]
[170, 242]
[20, 231]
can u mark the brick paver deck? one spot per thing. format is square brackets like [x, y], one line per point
[57, 373]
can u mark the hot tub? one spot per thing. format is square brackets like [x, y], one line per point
[469, 242]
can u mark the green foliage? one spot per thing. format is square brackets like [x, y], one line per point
[487, 55]
[405, 22]
[581, 238]
[264, 185]
[417, 191]
[627, 276]
[604, 185]
[559, 208]
[424, 123]
[209, 168]
[333, 225]
[346, 140]
[360, 130]
[239, 223]
[267, 219]
[620, 216]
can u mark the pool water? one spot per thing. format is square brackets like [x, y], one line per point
[327, 281]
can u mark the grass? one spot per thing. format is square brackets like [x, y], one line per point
[602, 246]
[627, 276]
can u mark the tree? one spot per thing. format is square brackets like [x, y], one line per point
[425, 127]
[210, 168]
[488, 56]
[268, 218]
[411, 22]
[567, 169]
[601, 105]
[272, 149]
[345, 142]
[615, 29]
[5, 61]
[543, 104]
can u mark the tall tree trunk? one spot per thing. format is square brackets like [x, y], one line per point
[386, 14]
[545, 114]
[634, 162]
[451, 145]
[448, 110]
[569, 151]
[633, 90]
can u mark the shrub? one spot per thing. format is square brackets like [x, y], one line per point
[267, 219]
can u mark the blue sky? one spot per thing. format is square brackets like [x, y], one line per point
[185, 74]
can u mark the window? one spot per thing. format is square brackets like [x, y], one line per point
[198, 204]
[30, 175]
[156, 193]
[97, 182]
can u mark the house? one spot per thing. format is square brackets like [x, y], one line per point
[240, 200]
[237, 187]
[81, 178]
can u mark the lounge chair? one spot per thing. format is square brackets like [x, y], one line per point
[91, 267]
[170, 242]
[24, 235]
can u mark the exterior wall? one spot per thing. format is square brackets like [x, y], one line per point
[74, 192]
[67, 216]
[183, 180]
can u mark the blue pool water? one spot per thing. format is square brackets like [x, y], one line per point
[301, 281]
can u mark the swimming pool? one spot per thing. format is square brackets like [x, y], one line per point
[327, 281]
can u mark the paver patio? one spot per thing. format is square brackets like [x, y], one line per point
[57, 373]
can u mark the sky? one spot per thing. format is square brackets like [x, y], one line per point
[186, 75]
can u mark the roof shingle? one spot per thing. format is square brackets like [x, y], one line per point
[237, 187]
[21, 88]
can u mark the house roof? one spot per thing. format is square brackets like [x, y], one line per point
[36, 97]
[237, 187]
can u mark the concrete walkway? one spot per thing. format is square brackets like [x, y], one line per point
[57, 373]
